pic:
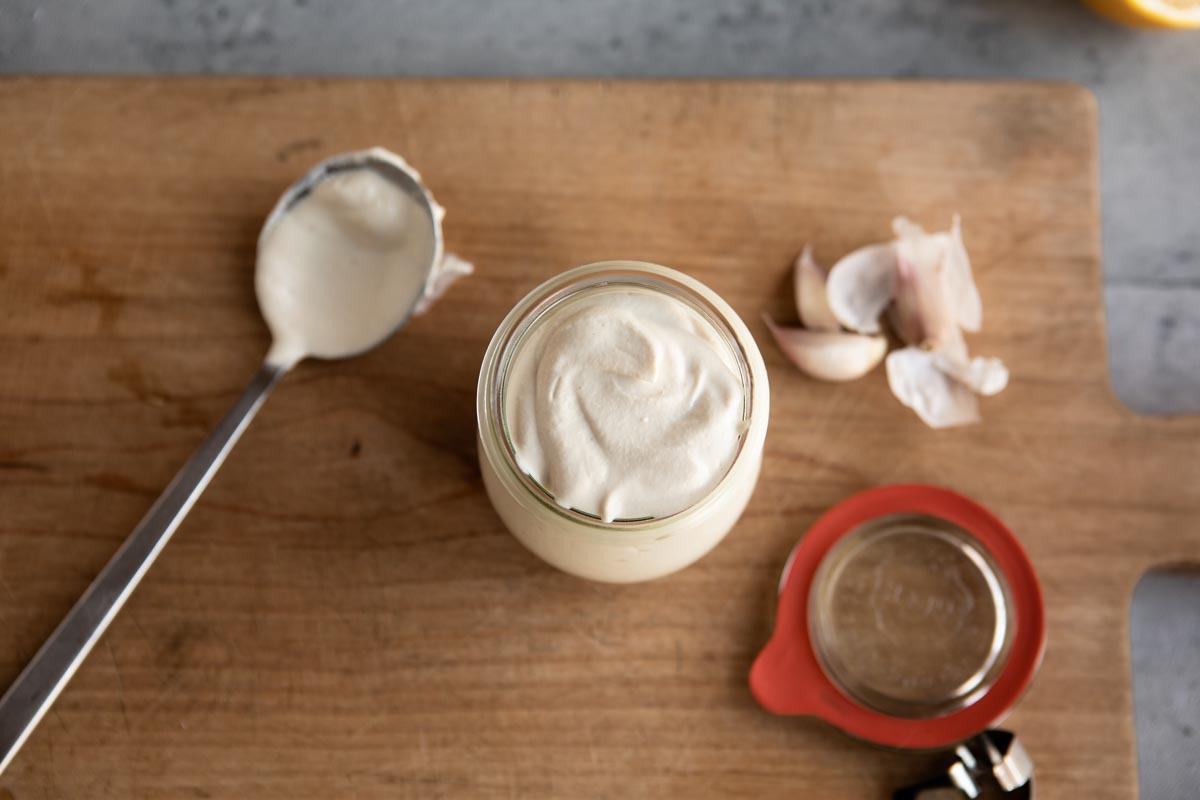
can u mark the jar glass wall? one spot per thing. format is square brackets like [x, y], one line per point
[623, 550]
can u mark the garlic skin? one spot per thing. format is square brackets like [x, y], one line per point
[861, 286]
[985, 376]
[938, 399]
[829, 356]
[812, 302]
[921, 314]
[913, 243]
[938, 292]
[959, 280]
[952, 344]
[936, 299]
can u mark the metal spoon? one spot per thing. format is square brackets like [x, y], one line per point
[987, 765]
[38, 685]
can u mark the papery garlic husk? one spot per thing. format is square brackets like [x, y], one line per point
[920, 313]
[952, 344]
[986, 376]
[960, 281]
[861, 285]
[937, 398]
[811, 302]
[827, 355]
[941, 274]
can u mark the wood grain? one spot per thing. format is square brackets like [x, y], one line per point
[344, 615]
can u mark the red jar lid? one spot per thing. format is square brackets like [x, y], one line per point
[909, 616]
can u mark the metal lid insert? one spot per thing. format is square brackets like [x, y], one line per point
[911, 616]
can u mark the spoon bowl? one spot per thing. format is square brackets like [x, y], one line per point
[304, 287]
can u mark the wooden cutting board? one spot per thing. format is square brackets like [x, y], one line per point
[343, 615]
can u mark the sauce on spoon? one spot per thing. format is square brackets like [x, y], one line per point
[334, 271]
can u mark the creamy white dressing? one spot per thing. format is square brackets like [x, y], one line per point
[340, 269]
[624, 403]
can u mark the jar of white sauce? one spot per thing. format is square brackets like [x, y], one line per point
[622, 409]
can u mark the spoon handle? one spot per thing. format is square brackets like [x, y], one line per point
[35, 689]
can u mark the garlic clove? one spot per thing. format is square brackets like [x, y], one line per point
[986, 376]
[811, 301]
[861, 285]
[959, 281]
[938, 399]
[904, 317]
[827, 355]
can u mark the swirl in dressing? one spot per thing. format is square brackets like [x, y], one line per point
[624, 403]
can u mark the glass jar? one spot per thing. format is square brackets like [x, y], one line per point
[582, 544]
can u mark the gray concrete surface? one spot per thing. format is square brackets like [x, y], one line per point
[1165, 627]
[1148, 84]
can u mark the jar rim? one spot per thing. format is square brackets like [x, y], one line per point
[535, 307]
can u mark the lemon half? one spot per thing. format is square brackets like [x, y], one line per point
[1151, 13]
